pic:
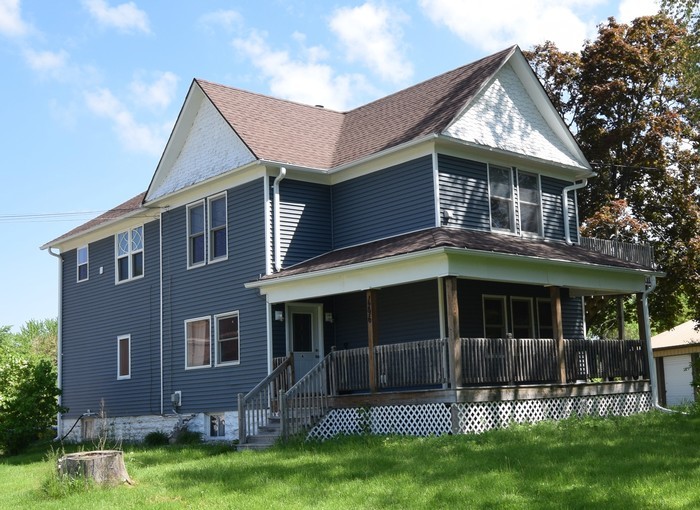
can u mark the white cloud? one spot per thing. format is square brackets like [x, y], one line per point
[631, 9]
[497, 24]
[229, 20]
[372, 35]
[125, 17]
[134, 135]
[11, 22]
[157, 94]
[49, 62]
[306, 81]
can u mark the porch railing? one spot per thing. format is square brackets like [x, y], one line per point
[307, 401]
[605, 360]
[259, 404]
[642, 254]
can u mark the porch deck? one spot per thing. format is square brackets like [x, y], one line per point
[419, 373]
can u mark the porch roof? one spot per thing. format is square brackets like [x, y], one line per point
[441, 251]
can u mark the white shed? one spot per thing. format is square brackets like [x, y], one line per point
[675, 351]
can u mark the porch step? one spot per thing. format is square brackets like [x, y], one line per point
[267, 436]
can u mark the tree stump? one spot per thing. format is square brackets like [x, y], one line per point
[105, 467]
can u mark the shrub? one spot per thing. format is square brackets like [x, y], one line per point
[28, 404]
[188, 437]
[156, 438]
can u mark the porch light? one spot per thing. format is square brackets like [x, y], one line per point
[279, 315]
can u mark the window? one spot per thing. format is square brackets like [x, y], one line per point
[217, 425]
[495, 317]
[501, 202]
[521, 317]
[529, 195]
[227, 339]
[129, 254]
[82, 260]
[198, 339]
[207, 232]
[217, 228]
[124, 357]
[544, 318]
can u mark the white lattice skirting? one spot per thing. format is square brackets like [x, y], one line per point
[473, 417]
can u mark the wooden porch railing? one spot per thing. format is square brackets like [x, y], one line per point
[422, 363]
[256, 407]
[605, 360]
[307, 401]
[641, 254]
[508, 360]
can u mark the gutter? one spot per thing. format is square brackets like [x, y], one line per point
[565, 207]
[59, 341]
[276, 217]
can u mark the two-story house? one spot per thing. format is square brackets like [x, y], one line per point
[420, 250]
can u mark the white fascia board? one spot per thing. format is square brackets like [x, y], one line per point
[464, 263]
[106, 229]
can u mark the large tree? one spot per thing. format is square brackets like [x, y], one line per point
[626, 100]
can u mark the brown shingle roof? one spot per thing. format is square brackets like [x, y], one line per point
[293, 133]
[441, 237]
[131, 205]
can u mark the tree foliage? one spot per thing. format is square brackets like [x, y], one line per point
[626, 99]
[28, 391]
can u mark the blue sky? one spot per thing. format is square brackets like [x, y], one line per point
[91, 88]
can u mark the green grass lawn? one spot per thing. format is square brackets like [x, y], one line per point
[646, 461]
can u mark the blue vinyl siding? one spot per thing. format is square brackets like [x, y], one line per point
[212, 289]
[552, 210]
[389, 202]
[305, 221]
[95, 313]
[471, 320]
[464, 191]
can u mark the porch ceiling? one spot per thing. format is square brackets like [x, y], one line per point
[439, 252]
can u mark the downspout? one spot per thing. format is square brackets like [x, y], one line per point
[565, 206]
[276, 216]
[59, 342]
[650, 354]
[161, 319]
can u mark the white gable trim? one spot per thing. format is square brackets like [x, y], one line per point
[523, 119]
[201, 146]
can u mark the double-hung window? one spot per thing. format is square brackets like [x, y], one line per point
[82, 261]
[129, 254]
[495, 325]
[522, 317]
[207, 231]
[227, 339]
[530, 208]
[124, 357]
[198, 343]
[501, 201]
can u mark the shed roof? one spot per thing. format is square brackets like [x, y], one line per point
[682, 335]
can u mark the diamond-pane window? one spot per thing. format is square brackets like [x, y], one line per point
[129, 263]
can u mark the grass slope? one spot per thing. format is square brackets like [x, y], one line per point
[645, 461]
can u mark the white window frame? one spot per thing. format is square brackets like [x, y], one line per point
[511, 200]
[212, 230]
[188, 321]
[219, 417]
[540, 219]
[217, 350]
[190, 236]
[129, 255]
[208, 231]
[531, 325]
[121, 376]
[504, 303]
[79, 264]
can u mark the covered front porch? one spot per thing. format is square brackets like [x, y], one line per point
[447, 327]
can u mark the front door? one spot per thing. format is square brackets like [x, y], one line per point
[305, 336]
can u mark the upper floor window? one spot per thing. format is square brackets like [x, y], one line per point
[129, 254]
[503, 190]
[82, 261]
[207, 232]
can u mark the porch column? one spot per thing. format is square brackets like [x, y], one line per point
[558, 330]
[372, 336]
[455, 343]
[645, 337]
